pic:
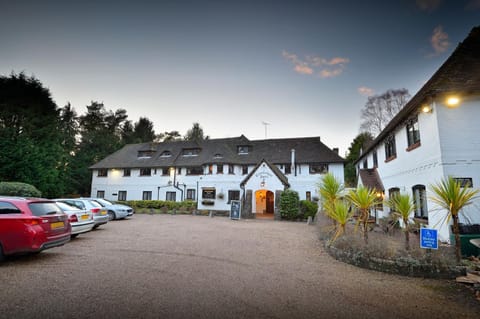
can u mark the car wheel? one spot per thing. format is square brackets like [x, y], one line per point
[2, 256]
[74, 236]
[111, 215]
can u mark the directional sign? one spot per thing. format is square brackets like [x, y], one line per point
[428, 238]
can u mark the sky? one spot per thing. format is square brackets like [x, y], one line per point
[305, 68]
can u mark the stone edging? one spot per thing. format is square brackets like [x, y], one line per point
[401, 266]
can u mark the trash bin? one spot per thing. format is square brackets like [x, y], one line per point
[466, 247]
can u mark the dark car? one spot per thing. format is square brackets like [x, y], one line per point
[30, 225]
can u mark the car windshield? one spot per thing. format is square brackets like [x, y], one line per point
[103, 202]
[44, 208]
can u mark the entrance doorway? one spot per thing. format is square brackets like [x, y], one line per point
[264, 203]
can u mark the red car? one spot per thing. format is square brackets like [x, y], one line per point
[31, 225]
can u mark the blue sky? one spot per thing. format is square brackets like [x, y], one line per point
[305, 67]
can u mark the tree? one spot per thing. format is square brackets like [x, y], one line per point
[195, 133]
[169, 136]
[30, 142]
[69, 129]
[402, 207]
[380, 109]
[451, 196]
[363, 199]
[143, 131]
[360, 143]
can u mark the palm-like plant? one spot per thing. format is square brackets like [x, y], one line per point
[340, 213]
[402, 207]
[363, 199]
[450, 195]
[330, 191]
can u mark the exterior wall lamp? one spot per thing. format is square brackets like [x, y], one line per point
[427, 108]
[453, 101]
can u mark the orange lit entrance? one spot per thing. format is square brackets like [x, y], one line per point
[264, 203]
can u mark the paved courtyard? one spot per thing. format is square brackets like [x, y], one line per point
[164, 266]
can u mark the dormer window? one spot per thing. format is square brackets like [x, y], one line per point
[166, 154]
[218, 156]
[190, 152]
[145, 154]
[243, 149]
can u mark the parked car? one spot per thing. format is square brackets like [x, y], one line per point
[115, 211]
[80, 219]
[100, 215]
[31, 225]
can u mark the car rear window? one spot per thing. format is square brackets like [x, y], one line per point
[66, 206]
[44, 208]
[9, 208]
[95, 203]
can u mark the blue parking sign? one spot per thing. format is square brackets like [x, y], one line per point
[428, 238]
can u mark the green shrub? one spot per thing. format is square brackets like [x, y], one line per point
[161, 205]
[308, 208]
[19, 189]
[289, 205]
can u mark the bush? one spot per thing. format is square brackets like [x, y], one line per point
[19, 189]
[161, 204]
[308, 209]
[289, 205]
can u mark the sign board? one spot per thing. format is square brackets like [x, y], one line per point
[235, 209]
[428, 238]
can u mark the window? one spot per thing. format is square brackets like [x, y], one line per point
[8, 208]
[365, 163]
[390, 148]
[219, 169]
[147, 195]
[233, 195]
[217, 156]
[413, 133]
[191, 194]
[171, 196]
[288, 169]
[244, 169]
[318, 168]
[375, 158]
[243, 149]
[145, 154]
[420, 201]
[100, 194]
[166, 154]
[102, 172]
[210, 169]
[126, 172]
[208, 193]
[231, 169]
[179, 171]
[165, 171]
[464, 181]
[122, 195]
[190, 152]
[195, 170]
[145, 172]
[308, 196]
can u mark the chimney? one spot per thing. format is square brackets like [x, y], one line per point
[292, 167]
[335, 150]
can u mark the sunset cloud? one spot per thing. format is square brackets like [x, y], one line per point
[439, 40]
[428, 5]
[310, 65]
[365, 91]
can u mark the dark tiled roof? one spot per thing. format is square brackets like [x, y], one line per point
[371, 179]
[460, 74]
[276, 151]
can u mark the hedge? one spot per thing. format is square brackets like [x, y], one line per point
[19, 189]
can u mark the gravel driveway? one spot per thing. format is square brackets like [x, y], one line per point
[165, 266]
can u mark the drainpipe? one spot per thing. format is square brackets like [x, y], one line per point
[293, 168]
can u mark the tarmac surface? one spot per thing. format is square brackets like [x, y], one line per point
[164, 266]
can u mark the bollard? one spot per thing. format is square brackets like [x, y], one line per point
[210, 214]
[309, 220]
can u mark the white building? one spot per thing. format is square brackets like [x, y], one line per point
[215, 171]
[436, 135]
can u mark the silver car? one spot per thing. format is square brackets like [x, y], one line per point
[114, 211]
[80, 219]
[100, 215]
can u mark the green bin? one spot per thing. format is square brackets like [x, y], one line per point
[466, 247]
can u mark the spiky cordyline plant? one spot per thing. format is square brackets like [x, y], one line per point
[330, 191]
[402, 207]
[450, 195]
[341, 214]
[363, 199]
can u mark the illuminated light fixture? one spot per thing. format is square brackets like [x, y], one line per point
[453, 101]
[427, 109]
